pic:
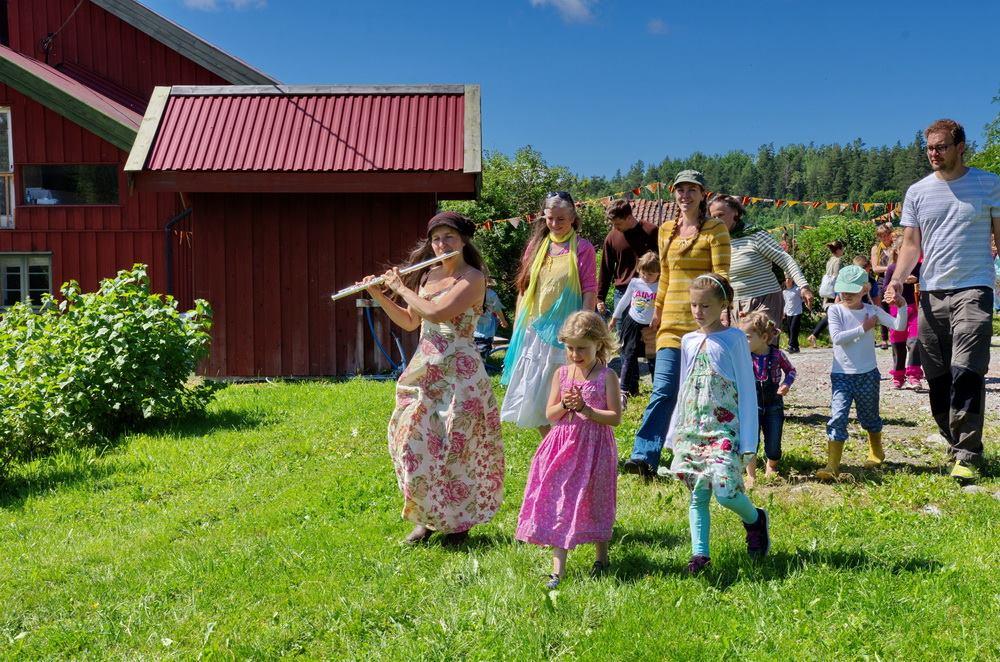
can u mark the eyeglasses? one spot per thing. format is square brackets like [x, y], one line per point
[562, 195]
[939, 149]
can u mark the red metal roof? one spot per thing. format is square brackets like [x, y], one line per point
[54, 89]
[652, 211]
[310, 133]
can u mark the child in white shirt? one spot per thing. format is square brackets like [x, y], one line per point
[855, 375]
[639, 298]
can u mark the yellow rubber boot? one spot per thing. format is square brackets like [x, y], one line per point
[876, 455]
[834, 451]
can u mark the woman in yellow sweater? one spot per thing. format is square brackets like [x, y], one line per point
[690, 245]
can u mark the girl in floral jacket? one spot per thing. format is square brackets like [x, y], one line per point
[714, 426]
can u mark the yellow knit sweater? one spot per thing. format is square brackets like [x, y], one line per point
[685, 260]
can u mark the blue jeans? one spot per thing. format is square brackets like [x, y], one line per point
[772, 421]
[666, 381]
[861, 389]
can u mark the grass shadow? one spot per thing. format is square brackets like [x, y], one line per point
[205, 423]
[53, 472]
[820, 420]
[630, 565]
[780, 565]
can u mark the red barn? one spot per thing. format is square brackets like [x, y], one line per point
[260, 198]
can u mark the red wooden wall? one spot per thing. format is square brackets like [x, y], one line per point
[88, 242]
[268, 263]
[102, 44]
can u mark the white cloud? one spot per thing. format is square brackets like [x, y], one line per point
[213, 5]
[570, 10]
[657, 26]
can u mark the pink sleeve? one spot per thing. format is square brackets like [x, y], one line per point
[586, 260]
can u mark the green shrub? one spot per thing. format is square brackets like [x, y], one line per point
[811, 252]
[81, 370]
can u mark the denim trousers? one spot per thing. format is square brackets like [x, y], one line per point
[863, 391]
[666, 381]
[772, 422]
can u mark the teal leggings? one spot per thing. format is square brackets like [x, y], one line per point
[700, 519]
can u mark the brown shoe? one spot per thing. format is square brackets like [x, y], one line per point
[419, 534]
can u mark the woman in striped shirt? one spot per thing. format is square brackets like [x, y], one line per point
[689, 246]
[754, 253]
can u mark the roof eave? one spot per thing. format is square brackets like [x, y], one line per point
[190, 45]
[105, 126]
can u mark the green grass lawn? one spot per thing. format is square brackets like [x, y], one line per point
[270, 528]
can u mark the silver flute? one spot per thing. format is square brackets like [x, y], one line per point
[354, 289]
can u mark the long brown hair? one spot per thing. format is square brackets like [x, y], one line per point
[702, 217]
[541, 231]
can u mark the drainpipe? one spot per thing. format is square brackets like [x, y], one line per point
[169, 247]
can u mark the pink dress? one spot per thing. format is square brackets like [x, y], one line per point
[570, 495]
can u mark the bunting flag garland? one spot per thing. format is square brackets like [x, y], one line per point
[746, 200]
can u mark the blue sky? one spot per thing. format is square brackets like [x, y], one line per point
[596, 84]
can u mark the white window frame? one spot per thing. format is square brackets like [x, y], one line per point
[7, 220]
[24, 261]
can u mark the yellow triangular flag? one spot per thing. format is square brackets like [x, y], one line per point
[868, 205]
[792, 203]
[831, 205]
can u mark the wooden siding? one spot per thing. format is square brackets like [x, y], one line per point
[88, 242]
[102, 44]
[267, 263]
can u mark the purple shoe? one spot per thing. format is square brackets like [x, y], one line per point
[758, 535]
[697, 564]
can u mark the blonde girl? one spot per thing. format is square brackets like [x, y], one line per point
[570, 495]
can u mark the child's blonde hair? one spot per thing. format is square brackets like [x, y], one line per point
[648, 263]
[760, 324]
[588, 325]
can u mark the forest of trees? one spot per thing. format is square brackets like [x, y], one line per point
[842, 173]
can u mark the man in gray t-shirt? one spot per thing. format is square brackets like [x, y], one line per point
[949, 216]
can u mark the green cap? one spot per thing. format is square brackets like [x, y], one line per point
[692, 176]
[851, 279]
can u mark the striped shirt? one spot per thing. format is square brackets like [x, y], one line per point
[685, 260]
[751, 273]
[954, 219]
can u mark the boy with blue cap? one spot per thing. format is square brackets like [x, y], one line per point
[855, 376]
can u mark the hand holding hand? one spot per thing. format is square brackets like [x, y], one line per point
[899, 301]
[654, 323]
[891, 290]
[783, 389]
[573, 399]
[807, 297]
[612, 324]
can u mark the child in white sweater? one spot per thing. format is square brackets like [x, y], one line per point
[855, 375]
[639, 298]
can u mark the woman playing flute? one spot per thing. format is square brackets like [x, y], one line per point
[444, 434]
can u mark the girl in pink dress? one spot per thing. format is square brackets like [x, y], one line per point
[570, 495]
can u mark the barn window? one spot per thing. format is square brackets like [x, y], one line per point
[4, 25]
[25, 277]
[70, 184]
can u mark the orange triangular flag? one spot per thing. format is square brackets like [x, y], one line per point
[637, 190]
[778, 203]
[815, 205]
[653, 187]
[745, 200]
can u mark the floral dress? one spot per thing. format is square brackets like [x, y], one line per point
[706, 445]
[444, 434]
[569, 498]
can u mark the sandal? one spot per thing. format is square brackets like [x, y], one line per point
[599, 568]
[553, 581]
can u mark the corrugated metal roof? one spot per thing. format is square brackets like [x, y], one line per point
[311, 133]
[653, 211]
[70, 98]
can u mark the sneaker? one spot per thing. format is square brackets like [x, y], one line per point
[758, 535]
[897, 383]
[914, 383]
[964, 473]
[697, 564]
[553, 582]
